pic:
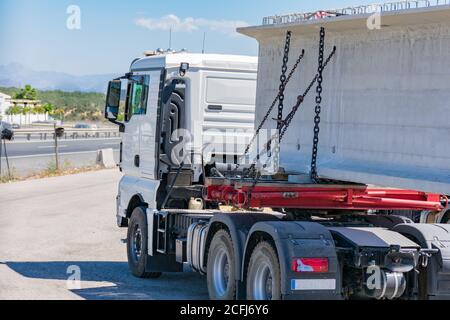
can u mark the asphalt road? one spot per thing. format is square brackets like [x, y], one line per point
[56, 228]
[35, 148]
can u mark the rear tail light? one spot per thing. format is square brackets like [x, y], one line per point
[310, 265]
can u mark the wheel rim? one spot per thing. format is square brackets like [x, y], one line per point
[136, 243]
[263, 282]
[221, 272]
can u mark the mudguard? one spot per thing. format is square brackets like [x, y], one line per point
[307, 240]
[239, 225]
[433, 236]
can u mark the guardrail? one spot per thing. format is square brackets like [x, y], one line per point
[365, 9]
[69, 134]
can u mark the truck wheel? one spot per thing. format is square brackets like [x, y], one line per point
[137, 245]
[263, 276]
[221, 268]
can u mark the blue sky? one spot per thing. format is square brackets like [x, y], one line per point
[34, 32]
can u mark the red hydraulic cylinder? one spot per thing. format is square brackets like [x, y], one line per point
[348, 197]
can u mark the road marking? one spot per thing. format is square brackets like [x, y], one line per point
[48, 147]
[52, 154]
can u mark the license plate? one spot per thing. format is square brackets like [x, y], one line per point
[313, 284]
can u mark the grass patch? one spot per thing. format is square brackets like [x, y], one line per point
[51, 171]
[9, 177]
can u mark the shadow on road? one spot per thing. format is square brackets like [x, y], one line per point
[171, 286]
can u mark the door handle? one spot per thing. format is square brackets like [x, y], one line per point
[214, 107]
[137, 160]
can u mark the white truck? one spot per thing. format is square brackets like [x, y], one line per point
[202, 187]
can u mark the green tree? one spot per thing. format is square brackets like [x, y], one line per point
[38, 109]
[26, 110]
[15, 110]
[27, 93]
[59, 113]
[48, 109]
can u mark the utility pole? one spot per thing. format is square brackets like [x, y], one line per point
[170, 38]
[204, 41]
[56, 147]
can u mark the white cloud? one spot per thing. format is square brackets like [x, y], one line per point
[190, 24]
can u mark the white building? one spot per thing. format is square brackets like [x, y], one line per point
[21, 119]
[5, 103]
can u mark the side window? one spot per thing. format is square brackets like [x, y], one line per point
[137, 96]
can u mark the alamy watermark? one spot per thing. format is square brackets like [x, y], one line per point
[73, 21]
[374, 20]
[224, 146]
[74, 279]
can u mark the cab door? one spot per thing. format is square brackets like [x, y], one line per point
[141, 115]
[130, 139]
[149, 150]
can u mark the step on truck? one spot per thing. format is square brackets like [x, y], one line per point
[223, 171]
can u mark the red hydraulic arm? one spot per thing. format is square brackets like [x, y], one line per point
[300, 196]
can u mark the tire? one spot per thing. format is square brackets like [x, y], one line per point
[221, 273]
[264, 276]
[137, 245]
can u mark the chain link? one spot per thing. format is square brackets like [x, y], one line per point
[300, 98]
[283, 125]
[272, 106]
[269, 111]
[283, 78]
[318, 108]
[252, 172]
[287, 121]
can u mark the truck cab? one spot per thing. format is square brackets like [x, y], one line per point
[180, 110]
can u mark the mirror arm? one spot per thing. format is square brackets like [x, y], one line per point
[119, 123]
[127, 76]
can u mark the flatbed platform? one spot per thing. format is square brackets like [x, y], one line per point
[281, 194]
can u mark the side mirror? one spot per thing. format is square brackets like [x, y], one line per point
[113, 100]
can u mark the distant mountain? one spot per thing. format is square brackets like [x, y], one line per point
[17, 75]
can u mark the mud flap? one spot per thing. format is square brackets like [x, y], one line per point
[436, 279]
[304, 239]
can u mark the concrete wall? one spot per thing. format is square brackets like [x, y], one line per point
[386, 104]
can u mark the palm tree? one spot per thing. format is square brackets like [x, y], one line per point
[60, 113]
[26, 111]
[15, 110]
[38, 109]
[27, 93]
[48, 109]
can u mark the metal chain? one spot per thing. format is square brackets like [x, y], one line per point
[300, 98]
[287, 121]
[277, 98]
[253, 173]
[269, 111]
[283, 125]
[282, 87]
[318, 108]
